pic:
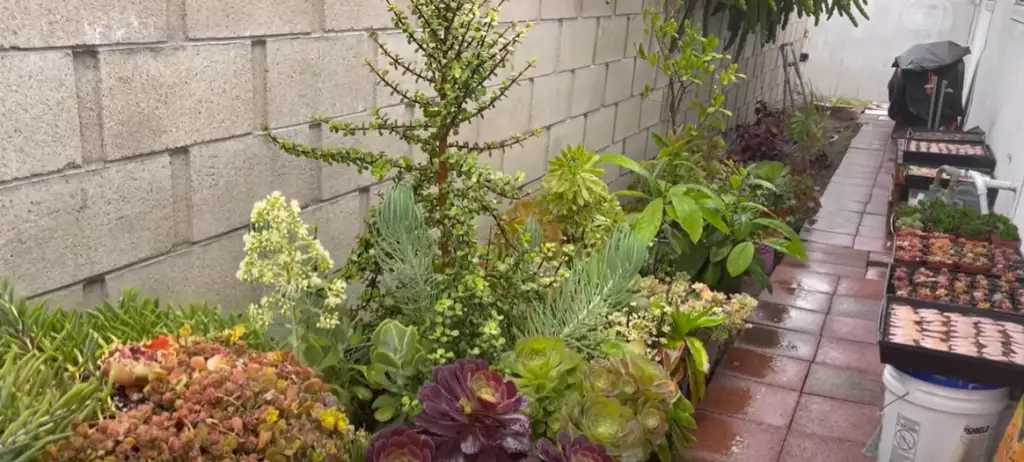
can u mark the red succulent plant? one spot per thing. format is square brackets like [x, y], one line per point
[473, 413]
[400, 444]
[578, 449]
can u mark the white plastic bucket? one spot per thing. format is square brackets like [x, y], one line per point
[930, 418]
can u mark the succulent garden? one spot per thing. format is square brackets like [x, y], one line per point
[575, 330]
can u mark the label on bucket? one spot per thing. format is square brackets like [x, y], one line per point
[974, 442]
[904, 439]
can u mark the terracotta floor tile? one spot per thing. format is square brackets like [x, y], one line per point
[784, 317]
[831, 227]
[824, 268]
[803, 447]
[852, 307]
[796, 345]
[874, 221]
[843, 204]
[796, 278]
[814, 301]
[847, 193]
[855, 181]
[851, 355]
[858, 330]
[844, 384]
[737, 397]
[761, 367]
[725, 439]
[826, 237]
[836, 419]
[876, 272]
[860, 287]
[880, 257]
[838, 250]
[871, 244]
[877, 207]
[874, 233]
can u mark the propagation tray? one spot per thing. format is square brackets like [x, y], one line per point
[911, 154]
[932, 135]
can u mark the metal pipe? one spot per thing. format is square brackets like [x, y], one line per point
[942, 98]
[932, 80]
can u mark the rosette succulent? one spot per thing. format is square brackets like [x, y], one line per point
[545, 370]
[569, 449]
[607, 422]
[473, 413]
[400, 444]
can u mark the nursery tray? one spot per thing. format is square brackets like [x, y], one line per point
[931, 135]
[930, 159]
[964, 367]
[890, 290]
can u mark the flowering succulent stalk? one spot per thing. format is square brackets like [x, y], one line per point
[283, 254]
[473, 413]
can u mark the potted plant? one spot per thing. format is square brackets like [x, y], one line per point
[940, 253]
[1004, 232]
[973, 256]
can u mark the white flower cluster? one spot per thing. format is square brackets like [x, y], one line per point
[281, 254]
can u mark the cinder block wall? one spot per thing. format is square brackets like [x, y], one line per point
[131, 148]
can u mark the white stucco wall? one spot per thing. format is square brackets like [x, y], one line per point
[998, 100]
[855, 61]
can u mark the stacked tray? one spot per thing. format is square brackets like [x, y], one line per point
[940, 251]
[953, 153]
[953, 341]
[926, 135]
[951, 288]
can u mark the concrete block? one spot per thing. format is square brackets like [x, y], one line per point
[577, 43]
[245, 18]
[635, 146]
[398, 45]
[539, 43]
[53, 23]
[600, 127]
[344, 15]
[650, 111]
[531, 158]
[337, 180]
[161, 98]
[508, 118]
[520, 10]
[565, 134]
[551, 95]
[627, 117]
[611, 39]
[205, 273]
[629, 6]
[620, 81]
[554, 9]
[588, 89]
[635, 36]
[339, 223]
[229, 176]
[60, 230]
[598, 8]
[611, 171]
[68, 298]
[322, 76]
[643, 76]
[39, 131]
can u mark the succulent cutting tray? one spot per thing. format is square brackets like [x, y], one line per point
[925, 135]
[953, 341]
[954, 153]
[979, 293]
[940, 251]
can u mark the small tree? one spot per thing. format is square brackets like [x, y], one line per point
[420, 261]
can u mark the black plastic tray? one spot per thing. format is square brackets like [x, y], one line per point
[932, 135]
[929, 159]
[890, 290]
[946, 363]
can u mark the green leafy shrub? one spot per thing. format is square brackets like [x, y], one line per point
[203, 400]
[544, 368]
[397, 362]
[39, 401]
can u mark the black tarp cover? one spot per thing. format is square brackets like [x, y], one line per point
[931, 56]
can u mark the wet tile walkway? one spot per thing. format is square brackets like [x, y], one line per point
[803, 379]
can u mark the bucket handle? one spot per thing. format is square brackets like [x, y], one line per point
[898, 398]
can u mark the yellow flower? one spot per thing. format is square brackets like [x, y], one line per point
[270, 416]
[332, 419]
[185, 331]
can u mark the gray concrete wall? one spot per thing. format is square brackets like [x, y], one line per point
[131, 146]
